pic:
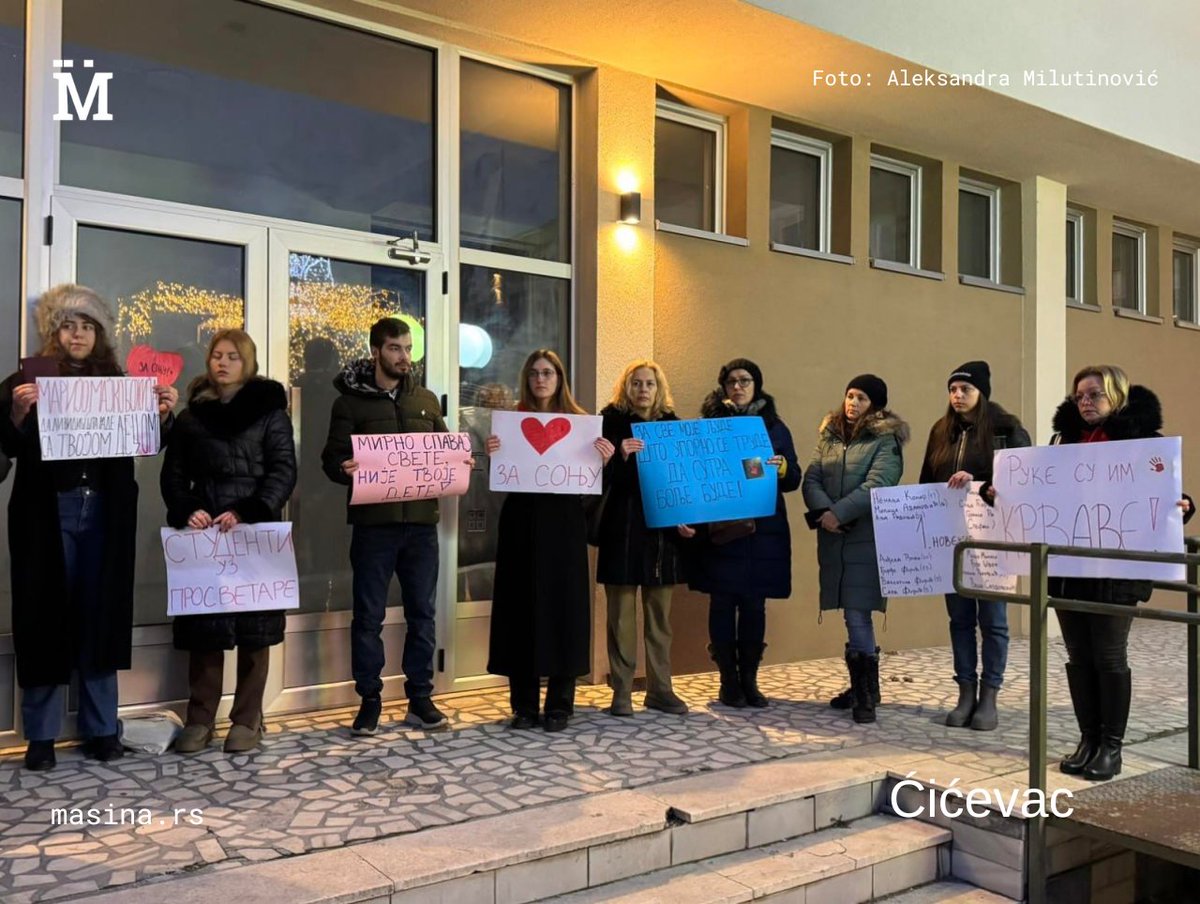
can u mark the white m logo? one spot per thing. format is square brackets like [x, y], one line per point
[68, 94]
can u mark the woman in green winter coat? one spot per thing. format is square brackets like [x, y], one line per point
[858, 448]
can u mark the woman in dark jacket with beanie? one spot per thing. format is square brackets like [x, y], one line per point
[1102, 407]
[742, 574]
[232, 460]
[859, 447]
[631, 554]
[959, 451]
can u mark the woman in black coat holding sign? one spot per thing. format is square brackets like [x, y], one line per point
[1102, 407]
[960, 449]
[631, 554]
[232, 460]
[541, 606]
[741, 567]
[72, 527]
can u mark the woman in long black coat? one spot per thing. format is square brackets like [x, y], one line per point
[631, 555]
[742, 574]
[541, 606]
[232, 460]
[1103, 407]
[72, 529]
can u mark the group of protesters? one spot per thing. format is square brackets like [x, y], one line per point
[230, 459]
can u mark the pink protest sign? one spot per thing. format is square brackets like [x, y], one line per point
[402, 467]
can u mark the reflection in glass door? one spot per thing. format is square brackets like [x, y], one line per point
[326, 292]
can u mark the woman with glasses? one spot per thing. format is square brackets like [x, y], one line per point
[859, 447]
[959, 451]
[631, 555]
[742, 564]
[1103, 407]
[541, 601]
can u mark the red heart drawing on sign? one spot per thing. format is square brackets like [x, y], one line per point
[543, 436]
[146, 361]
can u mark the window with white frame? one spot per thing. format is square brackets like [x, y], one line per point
[1184, 266]
[1129, 267]
[689, 167]
[979, 230]
[1074, 257]
[895, 211]
[801, 177]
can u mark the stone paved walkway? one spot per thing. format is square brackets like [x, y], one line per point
[313, 787]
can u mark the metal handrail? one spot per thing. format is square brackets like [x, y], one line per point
[1040, 602]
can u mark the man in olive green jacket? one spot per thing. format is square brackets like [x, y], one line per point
[380, 395]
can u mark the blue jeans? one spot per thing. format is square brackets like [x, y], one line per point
[860, 631]
[410, 552]
[81, 521]
[736, 619]
[992, 619]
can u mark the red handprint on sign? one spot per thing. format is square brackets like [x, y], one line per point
[1157, 465]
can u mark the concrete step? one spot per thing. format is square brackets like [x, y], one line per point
[869, 859]
[947, 891]
[559, 848]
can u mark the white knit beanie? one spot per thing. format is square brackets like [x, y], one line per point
[66, 300]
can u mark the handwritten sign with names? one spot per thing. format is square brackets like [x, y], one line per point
[1111, 495]
[546, 453]
[696, 472]
[97, 417]
[916, 529]
[250, 568]
[403, 467]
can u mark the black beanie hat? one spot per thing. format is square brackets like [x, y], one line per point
[977, 373]
[874, 387]
[743, 364]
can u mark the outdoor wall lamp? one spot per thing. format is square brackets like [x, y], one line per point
[631, 207]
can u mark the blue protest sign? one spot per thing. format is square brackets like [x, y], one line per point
[693, 472]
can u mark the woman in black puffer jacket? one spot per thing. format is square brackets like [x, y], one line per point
[232, 459]
[1103, 407]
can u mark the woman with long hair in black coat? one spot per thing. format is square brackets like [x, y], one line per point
[1102, 407]
[72, 536]
[541, 606]
[959, 451]
[631, 555]
[232, 460]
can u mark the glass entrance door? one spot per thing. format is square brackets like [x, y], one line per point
[325, 292]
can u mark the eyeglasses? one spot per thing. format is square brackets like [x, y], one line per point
[544, 374]
[1093, 397]
[740, 381]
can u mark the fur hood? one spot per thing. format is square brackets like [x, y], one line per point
[1140, 418]
[254, 401]
[358, 378]
[716, 405]
[881, 423]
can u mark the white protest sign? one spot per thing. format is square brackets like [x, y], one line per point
[1111, 495]
[97, 417]
[916, 529]
[250, 568]
[546, 453]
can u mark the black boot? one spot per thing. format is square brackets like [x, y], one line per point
[864, 667]
[986, 716]
[1115, 691]
[960, 716]
[845, 699]
[749, 657]
[1085, 698]
[725, 656]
